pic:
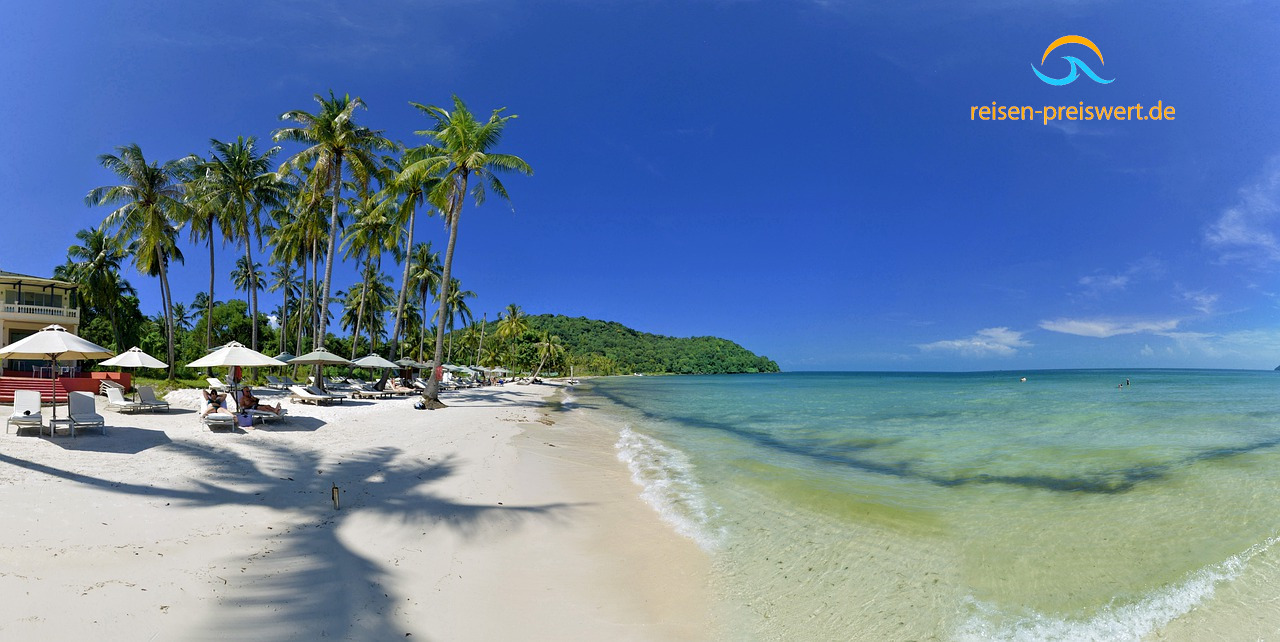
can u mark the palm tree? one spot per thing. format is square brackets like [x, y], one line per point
[412, 192]
[181, 317]
[461, 151]
[239, 182]
[282, 281]
[95, 267]
[513, 323]
[371, 234]
[332, 139]
[150, 203]
[425, 276]
[245, 277]
[458, 310]
[548, 348]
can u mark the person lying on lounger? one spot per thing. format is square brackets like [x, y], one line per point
[214, 401]
[249, 402]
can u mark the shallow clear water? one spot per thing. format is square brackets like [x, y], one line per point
[969, 506]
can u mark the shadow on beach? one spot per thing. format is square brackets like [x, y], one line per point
[303, 582]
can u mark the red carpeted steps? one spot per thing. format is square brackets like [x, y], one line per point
[44, 386]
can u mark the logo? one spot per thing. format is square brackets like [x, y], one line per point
[1077, 65]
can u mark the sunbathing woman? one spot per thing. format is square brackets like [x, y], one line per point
[249, 402]
[214, 401]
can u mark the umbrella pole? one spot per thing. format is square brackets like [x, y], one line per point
[53, 425]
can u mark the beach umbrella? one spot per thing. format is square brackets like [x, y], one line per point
[134, 358]
[235, 354]
[320, 357]
[54, 343]
[285, 357]
[374, 361]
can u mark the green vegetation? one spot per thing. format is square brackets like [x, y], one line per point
[337, 199]
[607, 348]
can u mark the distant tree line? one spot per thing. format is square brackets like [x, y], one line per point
[608, 348]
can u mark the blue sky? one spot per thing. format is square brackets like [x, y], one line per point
[800, 177]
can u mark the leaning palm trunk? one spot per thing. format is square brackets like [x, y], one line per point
[432, 393]
[364, 292]
[321, 330]
[404, 286]
[479, 347]
[167, 301]
[208, 319]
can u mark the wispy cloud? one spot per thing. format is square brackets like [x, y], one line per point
[1202, 300]
[1103, 328]
[1101, 283]
[1000, 342]
[1243, 232]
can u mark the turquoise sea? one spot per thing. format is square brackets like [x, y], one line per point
[968, 506]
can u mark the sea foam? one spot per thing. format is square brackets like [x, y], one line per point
[1129, 621]
[666, 477]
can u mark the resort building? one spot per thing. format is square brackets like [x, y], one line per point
[30, 303]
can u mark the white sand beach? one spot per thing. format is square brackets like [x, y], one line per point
[493, 519]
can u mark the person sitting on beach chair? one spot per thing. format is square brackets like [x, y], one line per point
[249, 402]
[214, 401]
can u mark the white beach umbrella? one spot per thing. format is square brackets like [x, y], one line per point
[134, 358]
[285, 357]
[321, 357]
[55, 344]
[374, 361]
[235, 354]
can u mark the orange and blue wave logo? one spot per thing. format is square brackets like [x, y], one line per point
[1078, 66]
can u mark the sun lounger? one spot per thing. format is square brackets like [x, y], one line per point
[116, 401]
[218, 420]
[26, 410]
[275, 382]
[306, 395]
[83, 412]
[259, 415]
[216, 384]
[147, 397]
[369, 392]
[107, 383]
[288, 381]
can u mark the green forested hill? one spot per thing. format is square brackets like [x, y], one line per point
[606, 347]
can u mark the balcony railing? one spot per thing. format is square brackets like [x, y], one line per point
[40, 310]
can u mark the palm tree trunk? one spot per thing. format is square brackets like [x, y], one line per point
[328, 263]
[364, 293]
[483, 323]
[167, 301]
[423, 336]
[253, 284]
[284, 310]
[432, 393]
[208, 318]
[404, 286]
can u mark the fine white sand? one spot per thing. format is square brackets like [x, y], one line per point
[492, 519]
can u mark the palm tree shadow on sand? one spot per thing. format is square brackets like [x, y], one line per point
[303, 582]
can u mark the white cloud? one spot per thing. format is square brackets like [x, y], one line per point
[1098, 283]
[1146, 350]
[1103, 328]
[1243, 232]
[1001, 342]
[1201, 300]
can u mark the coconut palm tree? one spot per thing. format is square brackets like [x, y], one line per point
[372, 233]
[425, 276]
[245, 277]
[548, 347]
[95, 267]
[458, 310]
[409, 193]
[181, 317]
[239, 182]
[150, 204]
[461, 152]
[334, 143]
[283, 281]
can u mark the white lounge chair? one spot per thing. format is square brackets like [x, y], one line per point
[298, 393]
[218, 420]
[259, 415]
[84, 413]
[147, 397]
[216, 384]
[116, 401]
[26, 410]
